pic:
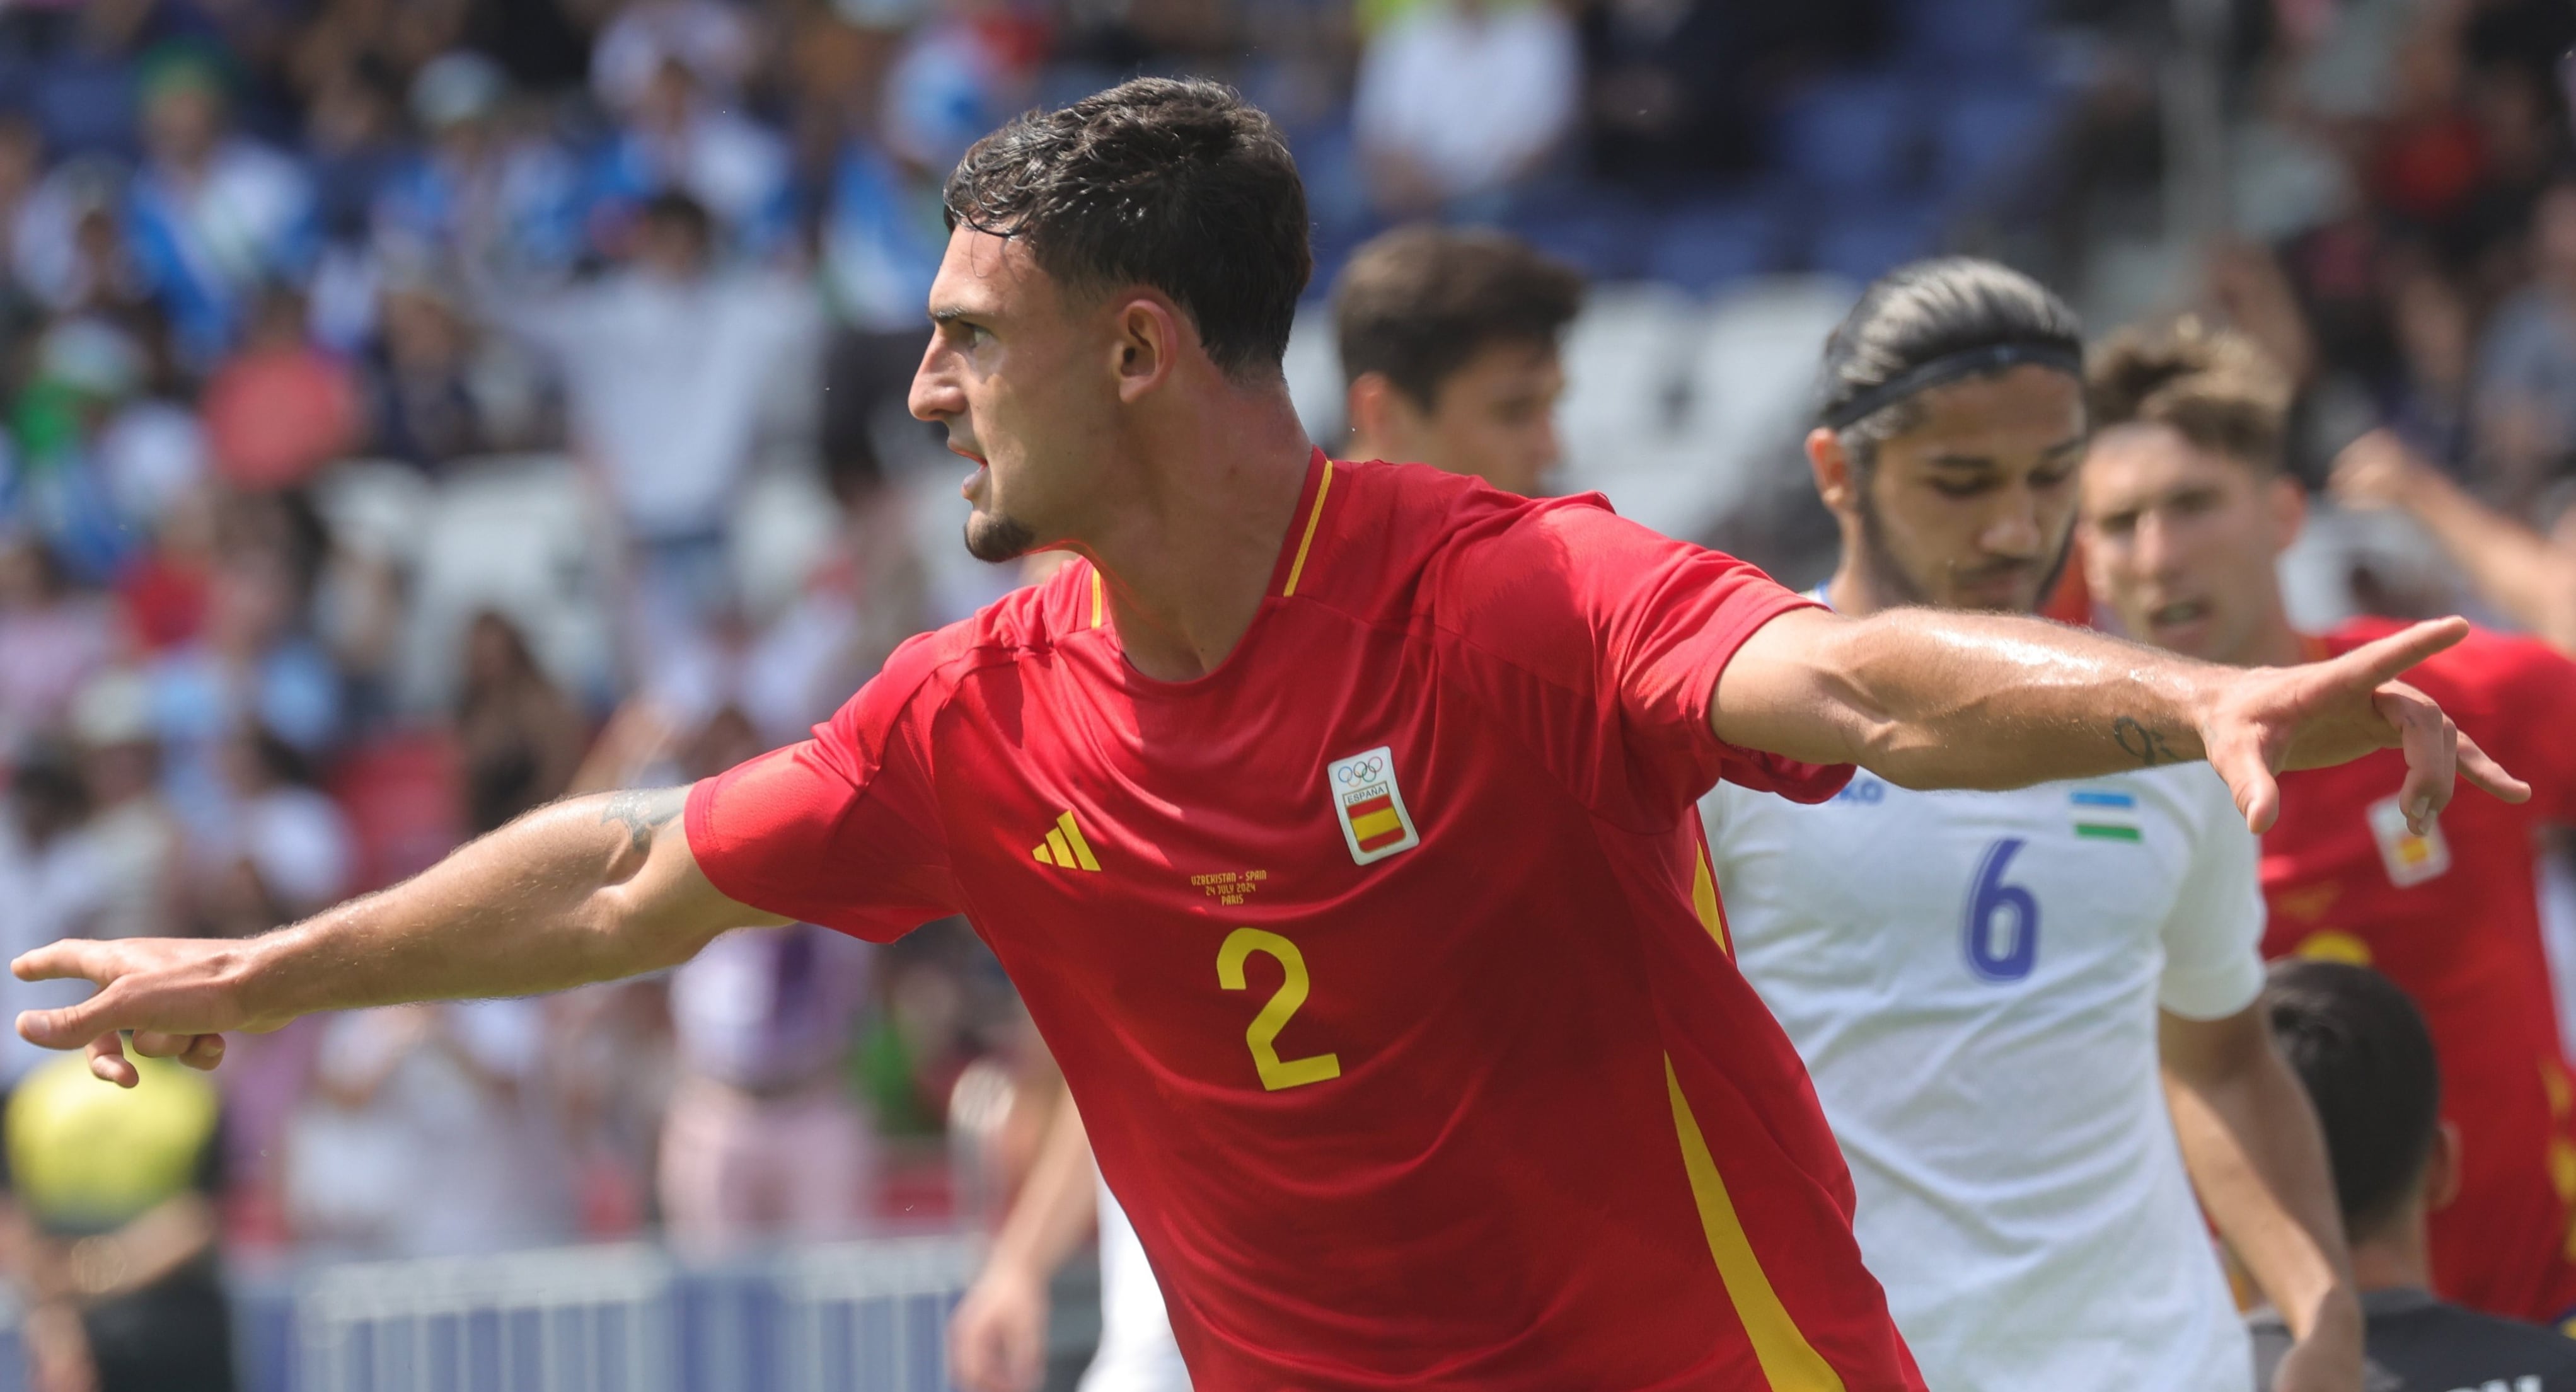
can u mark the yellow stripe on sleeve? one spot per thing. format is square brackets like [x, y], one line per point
[1298, 566]
[1098, 602]
[1789, 1362]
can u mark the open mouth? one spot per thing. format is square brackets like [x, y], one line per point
[2178, 613]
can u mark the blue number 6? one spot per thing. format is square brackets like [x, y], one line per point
[1991, 899]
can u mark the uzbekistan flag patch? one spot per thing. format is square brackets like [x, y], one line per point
[1375, 823]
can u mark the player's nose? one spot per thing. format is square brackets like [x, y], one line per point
[935, 394]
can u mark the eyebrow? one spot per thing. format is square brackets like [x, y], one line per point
[953, 314]
[2069, 445]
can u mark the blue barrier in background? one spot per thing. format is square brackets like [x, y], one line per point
[851, 1317]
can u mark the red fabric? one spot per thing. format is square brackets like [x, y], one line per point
[1490, 1193]
[274, 417]
[406, 810]
[2072, 601]
[165, 602]
[2466, 945]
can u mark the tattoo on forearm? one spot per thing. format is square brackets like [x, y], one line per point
[643, 811]
[2146, 746]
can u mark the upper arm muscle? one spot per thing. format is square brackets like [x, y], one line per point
[1781, 692]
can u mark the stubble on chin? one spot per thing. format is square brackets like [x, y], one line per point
[995, 537]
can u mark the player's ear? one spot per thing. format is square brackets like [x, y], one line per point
[1831, 465]
[1148, 345]
[2442, 1169]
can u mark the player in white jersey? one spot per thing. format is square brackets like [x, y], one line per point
[2031, 1015]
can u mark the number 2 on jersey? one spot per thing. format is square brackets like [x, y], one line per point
[2002, 930]
[1276, 1072]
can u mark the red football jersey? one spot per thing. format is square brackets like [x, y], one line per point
[2454, 918]
[1384, 961]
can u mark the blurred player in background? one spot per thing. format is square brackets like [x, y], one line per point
[2362, 1052]
[2186, 512]
[1335, 823]
[1449, 347]
[1984, 986]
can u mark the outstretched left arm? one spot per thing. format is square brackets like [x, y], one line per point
[1941, 699]
[2250, 1140]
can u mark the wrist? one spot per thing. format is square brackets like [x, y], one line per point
[2333, 1318]
[255, 977]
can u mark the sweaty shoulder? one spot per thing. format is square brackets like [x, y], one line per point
[1600, 640]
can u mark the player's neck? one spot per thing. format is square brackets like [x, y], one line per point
[1189, 559]
[2397, 1260]
[2275, 642]
[1853, 592]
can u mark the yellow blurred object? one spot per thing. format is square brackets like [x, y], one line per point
[88, 1154]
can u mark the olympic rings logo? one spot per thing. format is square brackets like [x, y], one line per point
[1367, 770]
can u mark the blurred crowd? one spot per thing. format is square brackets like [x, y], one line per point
[417, 412]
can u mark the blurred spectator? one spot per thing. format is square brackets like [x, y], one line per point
[2530, 579]
[96, 459]
[519, 736]
[2526, 381]
[1659, 115]
[68, 244]
[286, 851]
[428, 1134]
[132, 831]
[213, 216]
[253, 664]
[2361, 1049]
[763, 1140]
[666, 362]
[281, 408]
[678, 136]
[1459, 101]
[439, 390]
[111, 1239]
[52, 638]
[51, 878]
[715, 42]
[502, 203]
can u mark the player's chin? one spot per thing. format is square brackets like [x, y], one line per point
[995, 537]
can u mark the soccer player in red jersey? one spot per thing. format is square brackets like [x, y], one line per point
[1335, 822]
[2186, 510]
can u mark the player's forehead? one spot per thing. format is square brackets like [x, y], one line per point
[2139, 465]
[2015, 417]
[985, 276]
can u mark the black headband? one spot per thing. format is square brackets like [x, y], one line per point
[1972, 362]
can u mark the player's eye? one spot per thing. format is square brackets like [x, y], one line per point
[2118, 524]
[1962, 488]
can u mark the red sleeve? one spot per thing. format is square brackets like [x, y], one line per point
[1624, 632]
[2530, 734]
[842, 830]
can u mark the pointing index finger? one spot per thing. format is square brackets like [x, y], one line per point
[2385, 659]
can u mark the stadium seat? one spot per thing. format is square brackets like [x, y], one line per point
[1979, 36]
[1862, 244]
[1848, 138]
[523, 535]
[1593, 227]
[783, 522]
[1753, 380]
[1984, 137]
[375, 507]
[1704, 245]
[1314, 369]
[1624, 359]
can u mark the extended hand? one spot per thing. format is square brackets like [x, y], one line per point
[177, 995]
[2257, 723]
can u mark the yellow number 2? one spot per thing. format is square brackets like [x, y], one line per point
[1276, 1072]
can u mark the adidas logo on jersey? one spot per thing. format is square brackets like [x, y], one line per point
[1064, 847]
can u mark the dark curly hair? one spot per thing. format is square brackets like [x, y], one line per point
[1178, 185]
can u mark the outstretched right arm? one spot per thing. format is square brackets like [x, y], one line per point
[588, 889]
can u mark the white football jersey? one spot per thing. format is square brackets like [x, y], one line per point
[1972, 979]
[1137, 1353]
